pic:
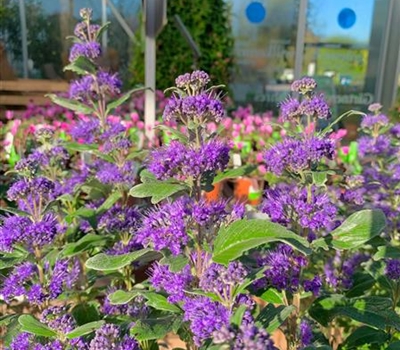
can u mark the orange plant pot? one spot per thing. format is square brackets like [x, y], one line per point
[216, 193]
[248, 190]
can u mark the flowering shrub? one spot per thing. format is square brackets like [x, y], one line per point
[88, 263]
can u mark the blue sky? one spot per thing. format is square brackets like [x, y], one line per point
[325, 13]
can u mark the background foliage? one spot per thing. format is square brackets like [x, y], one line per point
[209, 24]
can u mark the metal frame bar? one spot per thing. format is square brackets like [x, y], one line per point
[24, 36]
[104, 39]
[301, 32]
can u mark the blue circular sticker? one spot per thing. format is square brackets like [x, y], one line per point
[255, 12]
[346, 18]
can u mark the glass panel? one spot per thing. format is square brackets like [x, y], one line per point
[342, 48]
[265, 37]
[49, 22]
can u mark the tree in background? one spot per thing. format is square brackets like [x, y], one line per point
[208, 21]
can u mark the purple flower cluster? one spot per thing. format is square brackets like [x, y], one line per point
[339, 273]
[38, 189]
[395, 131]
[296, 156]
[180, 161]
[26, 341]
[136, 308]
[222, 280]
[315, 106]
[21, 229]
[246, 337]
[57, 318]
[91, 86]
[165, 227]
[90, 49]
[111, 174]
[290, 109]
[306, 335]
[291, 205]
[393, 269]
[283, 269]
[379, 146]
[192, 82]
[24, 281]
[304, 85]
[370, 121]
[119, 219]
[108, 337]
[203, 108]
[86, 130]
[65, 273]
[205, 317]
[85, 32]
[174, 283]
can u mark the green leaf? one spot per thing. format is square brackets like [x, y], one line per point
[101, 30]
[85, 213]
[79, 147]
[242, 235]
[156, 190]
[237, 317]
[72, 105]
[82, 65]
[365, 335]
[358, 229]
[373, 311]
[84, 329]
[175, 263]
[147, 176]
[125, 97]
[11, 259]
[175, 134]
[121, 297]
[87, 242]
[139, 154]
[104, 262]
[12, 330]
[85, 312]
[362, 283]
[272, 317]
[320, 177]
[271, 295]
[155, 328]
[394, 346]
[387, 252]
[109, 202]
[15, 211]
[31, 325]
[160, 302]
[234, 173]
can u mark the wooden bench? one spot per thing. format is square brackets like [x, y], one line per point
[20, 92]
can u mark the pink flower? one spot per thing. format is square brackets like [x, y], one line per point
[140, 125]
[345, 150]
[310, 128]
[262, 170]
[283, 132]
[259, 157]
[135, 117]
[212, 127]
[9, 115]
[14, 127]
